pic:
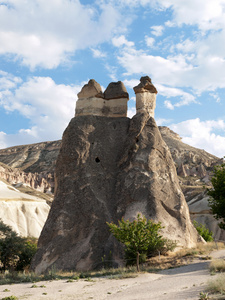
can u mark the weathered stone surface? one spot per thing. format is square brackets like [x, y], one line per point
[116, 90]
[101, 107]
[145, 96]
[91, 89]
[112, 104]
[26, 214]
[145, 86]
[108, 168]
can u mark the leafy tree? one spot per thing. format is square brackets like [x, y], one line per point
[138, 236]
[217, 194]
[15, 252]
[203, 231]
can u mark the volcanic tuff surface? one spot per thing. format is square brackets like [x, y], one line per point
[194, 167]
[108, 168]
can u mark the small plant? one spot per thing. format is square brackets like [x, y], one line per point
[203, 296]
[203, 231]
[44, 293]
[6, 290]
[42, 286]
[34, 286]
[70, 280]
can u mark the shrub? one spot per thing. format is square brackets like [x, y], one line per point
[217, 194]
[203, 231]
[15, 252]
[141, 239]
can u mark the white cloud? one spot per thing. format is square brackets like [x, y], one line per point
[162, 121]
[48, 106]
[168, 105]
[46, 33]
[208, 135]
[97, 53]
[168, 92]
[121, 41]
[131, 112]
[157, 30]
[149, 41]
[8, 81]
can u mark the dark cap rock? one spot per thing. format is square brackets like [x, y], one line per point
[116, 90]
[91, 89]
[145, 86]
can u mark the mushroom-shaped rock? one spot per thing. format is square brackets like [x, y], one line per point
[116, 90]
[145, 86]
[91, 89]
[91, 100]
[145, 96]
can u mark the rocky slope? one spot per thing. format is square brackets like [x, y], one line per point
[109, 168]
[25, 213]
[194, 166]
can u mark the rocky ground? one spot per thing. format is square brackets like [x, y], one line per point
[182, 283]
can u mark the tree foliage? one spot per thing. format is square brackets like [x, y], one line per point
[15, 252]
[203, 231]
[217, 194]
[140, 237]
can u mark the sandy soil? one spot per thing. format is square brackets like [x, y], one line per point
[181, 283]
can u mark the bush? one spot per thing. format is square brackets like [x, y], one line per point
[141, 238]
[15, 252]
[203, 231]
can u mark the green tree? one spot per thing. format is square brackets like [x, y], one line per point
[203, 231]
[137, 236]
[217, 194]
[15, 252]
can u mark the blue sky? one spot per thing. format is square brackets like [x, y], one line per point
[50, 49]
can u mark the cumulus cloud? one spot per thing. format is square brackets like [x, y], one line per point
[46, 33]
[98, 53]
[48, 106]
[121, 41]
[150, 41]
[157, 30]
[202, 134]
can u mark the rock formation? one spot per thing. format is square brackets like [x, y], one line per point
[26, 214]
[108, 168]
[113, 103]
[145, 96]
[194, 168]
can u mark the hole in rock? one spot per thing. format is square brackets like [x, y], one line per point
[97, 160]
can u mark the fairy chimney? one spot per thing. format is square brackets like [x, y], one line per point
[145, 96]
[111, 103]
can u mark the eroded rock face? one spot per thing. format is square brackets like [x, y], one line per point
[26, 214]
[145, 96]
[116, 90]
[108, 168]
[91, 89]
[113, 103]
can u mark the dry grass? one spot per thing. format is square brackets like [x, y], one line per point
[217, 265]
[184, 256]
[217, 285]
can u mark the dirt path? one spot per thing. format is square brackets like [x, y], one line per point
[181, 283]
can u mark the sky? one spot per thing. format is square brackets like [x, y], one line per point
[50, 49]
